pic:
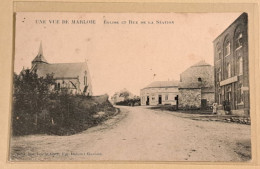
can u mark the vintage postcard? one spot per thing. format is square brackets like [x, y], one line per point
[170, 87]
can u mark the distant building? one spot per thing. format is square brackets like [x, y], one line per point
[73, 77]
[231, 67]
[160, 93]
[196, 88]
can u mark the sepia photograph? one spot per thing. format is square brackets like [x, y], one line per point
[141, 87]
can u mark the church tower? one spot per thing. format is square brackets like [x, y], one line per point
[39, 59]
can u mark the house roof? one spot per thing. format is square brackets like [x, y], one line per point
[61, 70]
[156, 84]
[189, 85]
[201, 63]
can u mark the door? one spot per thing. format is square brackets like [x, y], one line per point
[203, 103]
[160, 99]
[147, 100]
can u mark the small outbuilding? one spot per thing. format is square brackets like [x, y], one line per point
[196, 86]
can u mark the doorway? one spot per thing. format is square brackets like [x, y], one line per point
[160, 99]
[147, 100]
[204, 103]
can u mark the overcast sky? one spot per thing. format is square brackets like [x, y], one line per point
[121, 55]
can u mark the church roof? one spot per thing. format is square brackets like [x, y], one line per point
[40, 57]
[61, 70]
[157, 84]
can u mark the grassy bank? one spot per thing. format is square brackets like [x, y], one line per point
[62, 115]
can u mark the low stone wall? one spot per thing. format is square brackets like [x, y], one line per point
[241, 120]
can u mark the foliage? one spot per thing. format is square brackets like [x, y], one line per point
[30, 95]
[124, 94]
[130, 102]
[37, 109]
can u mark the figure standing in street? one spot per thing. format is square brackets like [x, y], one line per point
[215, 105]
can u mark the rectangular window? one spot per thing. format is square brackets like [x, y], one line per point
[166, 97]
[239, 94]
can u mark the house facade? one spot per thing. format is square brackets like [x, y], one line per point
[160, 93]
[72, 77]
[196, 87]
[231, 68]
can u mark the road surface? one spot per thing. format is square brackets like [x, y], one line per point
[141, 134]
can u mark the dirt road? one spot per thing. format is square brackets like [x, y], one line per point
[142, 134]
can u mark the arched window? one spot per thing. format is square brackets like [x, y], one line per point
[238, 37]
[240, 65]
[227, 47]
[85, 78]
[218, 75]
[219, 53]
[228, 70]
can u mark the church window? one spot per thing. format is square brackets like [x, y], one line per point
[199, 79]
[85, 80]
[58, 86]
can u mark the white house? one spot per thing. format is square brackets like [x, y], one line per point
[160, 93]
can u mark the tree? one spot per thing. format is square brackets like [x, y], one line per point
[30, 96]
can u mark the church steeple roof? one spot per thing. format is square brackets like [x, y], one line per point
[40, 57]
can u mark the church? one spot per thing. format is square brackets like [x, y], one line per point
[72, 77]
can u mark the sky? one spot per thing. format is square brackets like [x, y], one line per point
[119, 50]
